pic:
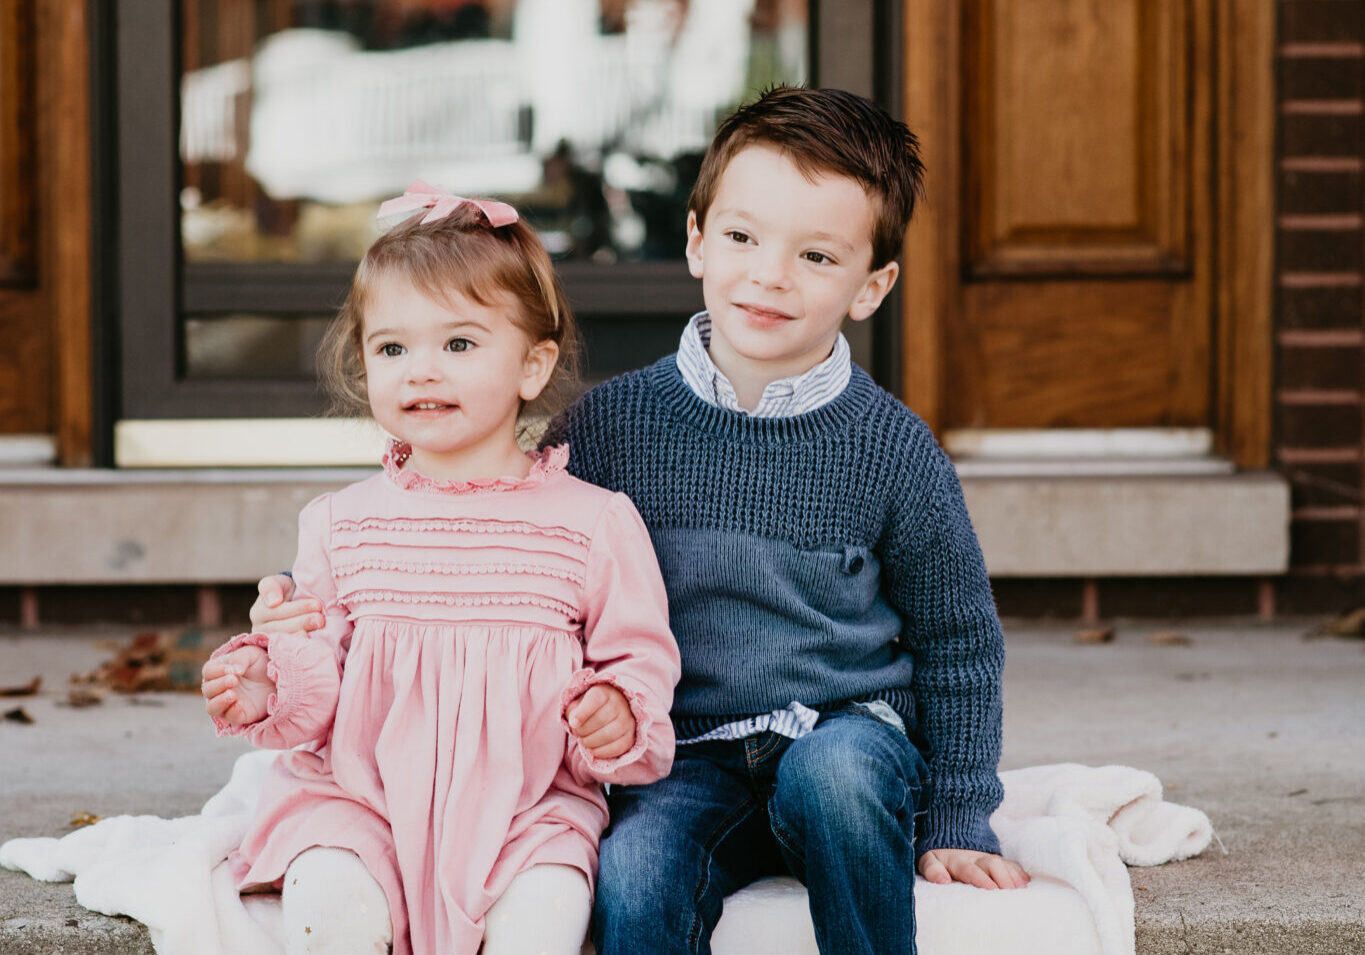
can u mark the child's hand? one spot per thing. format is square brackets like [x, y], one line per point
[602, 721]
[275, 612]
[981, 869]
[236, 687]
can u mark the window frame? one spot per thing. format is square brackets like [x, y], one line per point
[156, 288]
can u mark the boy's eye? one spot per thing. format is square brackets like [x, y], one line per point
[391, 350]
[819, 258]
[459, 344]
[736, 236]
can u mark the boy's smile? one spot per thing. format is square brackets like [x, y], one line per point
[784, 259]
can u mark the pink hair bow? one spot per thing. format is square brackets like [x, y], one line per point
[420, 195]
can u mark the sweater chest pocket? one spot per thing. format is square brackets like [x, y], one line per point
[840, 581]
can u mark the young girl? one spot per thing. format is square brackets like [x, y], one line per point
[495, 638]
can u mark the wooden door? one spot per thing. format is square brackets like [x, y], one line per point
[45, 228]
[25, 406]
[1069, 270]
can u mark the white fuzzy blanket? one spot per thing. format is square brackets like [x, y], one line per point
[1072, 828]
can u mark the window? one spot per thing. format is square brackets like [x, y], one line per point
[255, 139]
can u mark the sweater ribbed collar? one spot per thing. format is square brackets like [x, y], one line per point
[835, 417]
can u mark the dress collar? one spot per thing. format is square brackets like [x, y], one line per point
[546, 463]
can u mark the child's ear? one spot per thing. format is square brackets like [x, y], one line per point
[693, 245]
[537, 368]
[869, 298]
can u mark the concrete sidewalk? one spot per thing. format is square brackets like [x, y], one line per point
[1261, 728]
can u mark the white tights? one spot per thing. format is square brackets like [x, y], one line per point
[543, 912]
[333, 906]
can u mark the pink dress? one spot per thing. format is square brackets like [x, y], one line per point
[429, 713]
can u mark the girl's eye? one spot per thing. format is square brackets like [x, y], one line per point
[391, 350]
[819, 258]
[459, 344]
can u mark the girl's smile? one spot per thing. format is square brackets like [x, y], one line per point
[449, 375]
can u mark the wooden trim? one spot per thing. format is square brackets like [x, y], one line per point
[931, 249]
[65, 42]
[18, 152]
[1246, 229]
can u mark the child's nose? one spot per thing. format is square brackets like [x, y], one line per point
[772, 271]
[423, 367]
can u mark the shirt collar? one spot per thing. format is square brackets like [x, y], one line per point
[783, 398]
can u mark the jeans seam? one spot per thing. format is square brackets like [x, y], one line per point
[704, 880]
[762, 750]
[781, 832]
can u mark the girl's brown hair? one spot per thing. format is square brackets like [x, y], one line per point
[458, 253]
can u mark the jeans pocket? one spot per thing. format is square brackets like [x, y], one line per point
[881, 710]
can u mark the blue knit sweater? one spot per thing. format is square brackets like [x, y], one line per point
[821, 558]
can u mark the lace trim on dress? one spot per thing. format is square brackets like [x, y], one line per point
[446, 567]
[546, 463]
[461, 600]
[472, 525]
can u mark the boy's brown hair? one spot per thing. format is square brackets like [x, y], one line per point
[458, 253]
[824, 132]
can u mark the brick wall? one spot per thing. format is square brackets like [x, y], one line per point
[1319, 313]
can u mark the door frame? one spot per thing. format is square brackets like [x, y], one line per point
[1243, 149]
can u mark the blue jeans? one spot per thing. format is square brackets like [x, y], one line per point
[836, 809]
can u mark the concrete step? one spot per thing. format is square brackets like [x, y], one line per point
[1253, 723]
[221, 526]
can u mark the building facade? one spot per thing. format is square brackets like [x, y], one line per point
[1130, 306]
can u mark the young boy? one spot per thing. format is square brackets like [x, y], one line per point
[838, 716]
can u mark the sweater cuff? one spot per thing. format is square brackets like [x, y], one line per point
[580, 683]
[955, 827]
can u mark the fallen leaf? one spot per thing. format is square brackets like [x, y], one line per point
[1169, 638]
[161, 660]
[1095, 635]
[83, 696]
[1348, 624]
[18, 715]
[83, 819]
[28, 689]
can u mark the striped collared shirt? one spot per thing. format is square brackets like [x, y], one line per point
[781, 399]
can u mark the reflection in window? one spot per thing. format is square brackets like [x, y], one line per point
[252, 346]
[299, 116]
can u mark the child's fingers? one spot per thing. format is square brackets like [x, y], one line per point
[583, 712]
[1006, 874]
[289, 617]
[219, 704]
[970, 872]
[617, 747]
[932, 869]
[275, 589]
[610, 732]
[212, 688]
[275, 610]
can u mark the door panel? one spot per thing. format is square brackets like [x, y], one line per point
[1071, 266]
[1077, 150]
